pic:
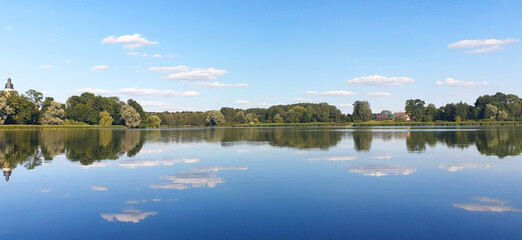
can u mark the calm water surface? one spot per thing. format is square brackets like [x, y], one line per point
[262, 183]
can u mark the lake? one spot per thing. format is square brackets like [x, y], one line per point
[262, 183]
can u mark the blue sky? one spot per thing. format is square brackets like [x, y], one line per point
[259, 53]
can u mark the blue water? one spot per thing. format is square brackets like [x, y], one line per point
[268, 183]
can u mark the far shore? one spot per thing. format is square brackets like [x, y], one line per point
[261, 125]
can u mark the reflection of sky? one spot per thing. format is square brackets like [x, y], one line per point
[492, 205]
[281, 191]
[133, 216]
[382, 170]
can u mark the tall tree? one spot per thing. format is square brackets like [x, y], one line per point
[130, 116]
[362, 111]
[54, 114]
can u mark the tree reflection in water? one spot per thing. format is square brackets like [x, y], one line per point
[31, 148]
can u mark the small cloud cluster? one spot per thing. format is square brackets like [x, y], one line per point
[136, 54]
[184, 73]
[382, 170]
[457, 83]
[331, 93]
[219, 85]
[99, 188]
[129, 41]
[46, 66]
[482, 45]
[154, 92]
[378, 80]
[380, 94]
[100, 68]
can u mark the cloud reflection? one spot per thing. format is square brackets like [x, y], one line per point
[494, 205]
[135, 163]
[129, 215]
[186, 180]
[218, 168]
[461, 166]
[99, 188]
[382, 170]
[334, 158]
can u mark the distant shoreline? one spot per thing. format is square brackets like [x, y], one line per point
[261, 125]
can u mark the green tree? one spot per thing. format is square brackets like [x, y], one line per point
[54, 114]
[240, 117]
[362, 111]
[24, 111]
[490, 112]
[278, 119]
[130, 116]
[138, 108]
[105, 119]
[215, 118]
[154, 121]
[5, 110]
[502, 115]
[229, 114]
[35, 97]
[415, 108]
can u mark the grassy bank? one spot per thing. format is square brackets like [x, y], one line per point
[463, 123]
[11, 127]
[314, 124]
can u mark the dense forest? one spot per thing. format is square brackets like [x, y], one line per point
[87, 108]
[32, 108]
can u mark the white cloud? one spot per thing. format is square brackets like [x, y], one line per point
[153, 104]
[132, 202]
[304, 100]
[92, 90]
[8, 28]
[481, 43]
[242, 102]
[217, 84]
[136, 54]
[380, 94]
[378, 80]
[185, 73]
[129, 41]
[100, 68]
[334, 158]
[157, 55]
[331, 93]
[382, 170]
[46, 66]
[154, 92]
[486, 49]
[45, 190]
[462, 166]
[133, 216]
[346, 105]
[99, 188]
[68, 61]
[175, 69]
[458, 83]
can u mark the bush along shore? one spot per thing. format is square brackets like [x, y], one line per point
[88, 109]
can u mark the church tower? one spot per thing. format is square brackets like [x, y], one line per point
[8, 87]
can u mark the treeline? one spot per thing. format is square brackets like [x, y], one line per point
[293, 113]
[33, 109]
[500, 107]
